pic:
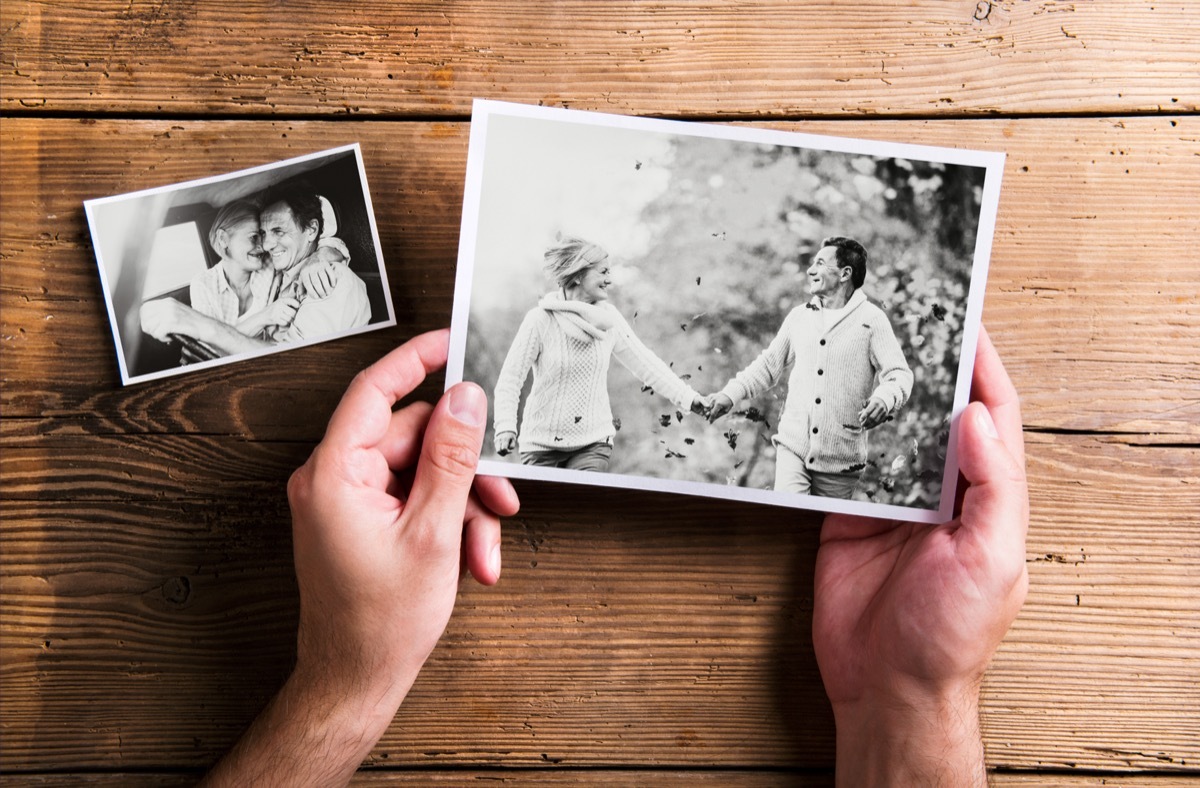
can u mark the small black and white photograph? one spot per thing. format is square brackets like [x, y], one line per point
[240, 265]
[726, 311]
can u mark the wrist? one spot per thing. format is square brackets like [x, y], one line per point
[911, 738]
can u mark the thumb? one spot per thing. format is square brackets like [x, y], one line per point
[449, 456]
[996, 504]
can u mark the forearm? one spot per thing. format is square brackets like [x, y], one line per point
[310, 734]
[226, 338]
[635, 356]
[926, 741]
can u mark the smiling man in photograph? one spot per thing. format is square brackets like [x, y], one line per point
[327, 297]
[292, 228]
[849, 375]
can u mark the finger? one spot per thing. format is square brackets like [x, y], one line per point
[497, 494]
[401, 444]
[481, 543]
[363, 416]
[991, 385]
[449, 457]
[839, 527]
[996, 504]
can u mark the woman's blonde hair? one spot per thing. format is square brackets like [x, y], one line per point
[230, 215]
[567, 258]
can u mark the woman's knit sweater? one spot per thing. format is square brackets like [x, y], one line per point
[568, 405]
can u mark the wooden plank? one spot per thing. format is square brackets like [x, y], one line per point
[1085, 203]
[676, 57]
[635, 630]
[623, 777]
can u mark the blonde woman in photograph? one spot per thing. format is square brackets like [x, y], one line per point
[567, 341]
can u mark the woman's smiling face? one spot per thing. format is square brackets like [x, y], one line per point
[593, 284]
[244, 245]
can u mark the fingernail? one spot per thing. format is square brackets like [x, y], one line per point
[468, 404]
[989, 426]
[494, 561]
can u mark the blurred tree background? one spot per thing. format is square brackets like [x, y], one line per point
[731, 236]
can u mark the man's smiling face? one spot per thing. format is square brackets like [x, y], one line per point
[824, 276]
[284, 240]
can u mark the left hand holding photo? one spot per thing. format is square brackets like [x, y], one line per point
[386, 514]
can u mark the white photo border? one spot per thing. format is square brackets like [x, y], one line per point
[992, 162]
[105, 285]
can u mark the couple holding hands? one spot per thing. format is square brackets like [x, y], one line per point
[848, 372]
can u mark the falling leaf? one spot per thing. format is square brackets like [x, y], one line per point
[686, 376]
[939, 312]
[898, 463]
[697, 281]
[739, 464]
[689, 441]
[855, 468]
[731, 436]
[616, 424]
[578, 419]
[754, 414]
[679, 416]
[683, 326]
[647, 388]
[671, 454]
[665, 420]
[637, 165]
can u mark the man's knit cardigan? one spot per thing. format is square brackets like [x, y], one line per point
[834, 374]
[568, 405]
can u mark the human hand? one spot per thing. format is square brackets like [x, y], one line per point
[701, 405]
[505, 443]
[320, 280]
[720, 405]
[163, 317]
[873, 414]
[282, 311]
[383, 520]
[906, 616]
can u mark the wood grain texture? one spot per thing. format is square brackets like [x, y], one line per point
[147, 597]
[642, 630]
[681, 58]
[1093, 293]
[553, 777]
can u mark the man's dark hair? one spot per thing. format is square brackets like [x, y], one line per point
[851, 254]
[301, 198]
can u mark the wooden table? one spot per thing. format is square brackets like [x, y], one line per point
[636, 638]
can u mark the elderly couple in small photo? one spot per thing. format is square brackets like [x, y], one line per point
[848, 372]
[283, 276]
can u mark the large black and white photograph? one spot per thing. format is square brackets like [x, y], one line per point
[240, 265]
[792, 318]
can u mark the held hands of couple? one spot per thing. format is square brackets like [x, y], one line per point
[906, 616]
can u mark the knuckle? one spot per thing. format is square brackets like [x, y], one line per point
[432, 542]
[453, 456]
[299, 486]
